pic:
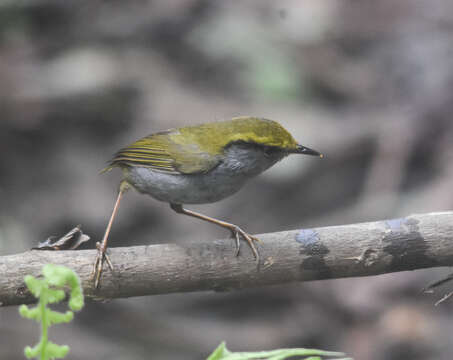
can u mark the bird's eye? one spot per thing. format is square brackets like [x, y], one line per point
[268, 151]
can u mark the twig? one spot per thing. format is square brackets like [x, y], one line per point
[409, 243]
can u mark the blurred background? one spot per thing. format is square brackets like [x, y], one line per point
[369, 84]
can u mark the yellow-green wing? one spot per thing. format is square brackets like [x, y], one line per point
[161, 152]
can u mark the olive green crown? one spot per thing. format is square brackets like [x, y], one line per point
[214, 137]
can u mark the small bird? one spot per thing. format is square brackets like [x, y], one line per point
[198, 165]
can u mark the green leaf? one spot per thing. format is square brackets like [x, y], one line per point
[49, 290]
[34, 285]
[55, 351]
[56, 317]
[221, 353]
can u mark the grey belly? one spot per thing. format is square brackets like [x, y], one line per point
[184, 189]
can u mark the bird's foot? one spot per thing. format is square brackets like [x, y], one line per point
[237, 233]
[99, 263]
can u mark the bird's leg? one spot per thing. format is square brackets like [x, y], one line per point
[236, 231]
[102, 246]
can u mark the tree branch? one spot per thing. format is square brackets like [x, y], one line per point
[409, 243]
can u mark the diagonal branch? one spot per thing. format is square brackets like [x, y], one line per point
[409, 243]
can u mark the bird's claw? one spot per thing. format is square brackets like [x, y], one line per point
[236, 233]
[235, 236]
[99, 263]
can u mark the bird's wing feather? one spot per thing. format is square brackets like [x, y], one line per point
[161, 152]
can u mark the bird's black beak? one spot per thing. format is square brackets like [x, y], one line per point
[307, 151]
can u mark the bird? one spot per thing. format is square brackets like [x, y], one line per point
[200, 164]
